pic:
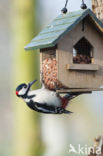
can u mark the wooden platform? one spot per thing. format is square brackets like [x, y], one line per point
[89, 67]
[82, 90]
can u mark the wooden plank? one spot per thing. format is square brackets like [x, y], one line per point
[93, 67]
[84, 90]
[63, 20]
[44, 36]
[55, 29]
[48, 49]
[69, 15]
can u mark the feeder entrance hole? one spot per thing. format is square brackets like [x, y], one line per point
[83, 52]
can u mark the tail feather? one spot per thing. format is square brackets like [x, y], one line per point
[68, 96]
[71, 95]
[67, 112]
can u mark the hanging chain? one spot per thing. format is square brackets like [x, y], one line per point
[64, 10]
[66, 3]
[83, 6]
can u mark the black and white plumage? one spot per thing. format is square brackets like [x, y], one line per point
[43, 100]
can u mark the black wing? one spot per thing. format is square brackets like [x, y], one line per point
[43, 108]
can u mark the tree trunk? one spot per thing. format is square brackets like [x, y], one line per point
[27, 140]
[97, 7]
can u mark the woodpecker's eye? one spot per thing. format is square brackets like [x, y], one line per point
[25, 87]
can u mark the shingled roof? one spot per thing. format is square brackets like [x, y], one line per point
[60, 26]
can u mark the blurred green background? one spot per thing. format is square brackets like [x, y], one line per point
[24, 132]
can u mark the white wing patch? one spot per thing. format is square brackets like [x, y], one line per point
[45, 110]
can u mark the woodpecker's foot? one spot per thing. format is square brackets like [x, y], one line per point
[56, 86]
[67, 112]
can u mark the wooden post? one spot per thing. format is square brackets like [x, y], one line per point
[97, 7]
[27, 140]
[98, 144]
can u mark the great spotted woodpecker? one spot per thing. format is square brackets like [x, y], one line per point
[44, 100]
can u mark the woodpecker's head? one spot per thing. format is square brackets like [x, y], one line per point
[22, 89]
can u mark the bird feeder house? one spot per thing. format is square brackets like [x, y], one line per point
[71, 52]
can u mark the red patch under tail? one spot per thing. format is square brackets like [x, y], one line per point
[64, 102]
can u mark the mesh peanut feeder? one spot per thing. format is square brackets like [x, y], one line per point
[49, 70]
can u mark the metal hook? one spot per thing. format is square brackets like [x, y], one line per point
[83, 5]
[64, 10]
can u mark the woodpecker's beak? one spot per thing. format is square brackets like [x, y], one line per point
[31, 83]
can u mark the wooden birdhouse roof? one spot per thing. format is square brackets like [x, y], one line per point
[60, 26]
